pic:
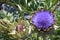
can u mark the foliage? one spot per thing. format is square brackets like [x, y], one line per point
[16, 12]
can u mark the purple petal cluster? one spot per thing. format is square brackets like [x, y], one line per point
[19, 28]
[43, 19]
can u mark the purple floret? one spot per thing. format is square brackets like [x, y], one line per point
[43, 19]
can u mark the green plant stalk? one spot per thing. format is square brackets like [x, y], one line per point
[55, 6]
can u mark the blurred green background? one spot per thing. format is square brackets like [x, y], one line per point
[12, 10]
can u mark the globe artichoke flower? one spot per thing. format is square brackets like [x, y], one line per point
[43, 19]
[19, 28]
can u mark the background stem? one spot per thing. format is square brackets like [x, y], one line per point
[55, 6]
[37, 36]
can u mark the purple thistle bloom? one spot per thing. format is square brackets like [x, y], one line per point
[19, 28]
[43, 19]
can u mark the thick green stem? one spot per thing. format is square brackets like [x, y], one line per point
[55, 6]
[44, 38]
[37, 36]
